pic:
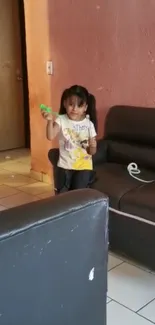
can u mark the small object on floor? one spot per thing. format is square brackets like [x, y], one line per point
[8, 157]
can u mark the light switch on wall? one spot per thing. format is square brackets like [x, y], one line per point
[49, 67]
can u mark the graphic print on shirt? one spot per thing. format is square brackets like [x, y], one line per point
[73, 144]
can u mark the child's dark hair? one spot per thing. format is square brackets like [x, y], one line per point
[64, 96]
[84, 97]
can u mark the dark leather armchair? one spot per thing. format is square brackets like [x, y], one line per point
[129, 136]
[53, 265]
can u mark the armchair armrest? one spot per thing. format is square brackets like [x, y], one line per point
[53, 156]
[101, 154]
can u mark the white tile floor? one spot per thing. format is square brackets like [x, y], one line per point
[131, 294]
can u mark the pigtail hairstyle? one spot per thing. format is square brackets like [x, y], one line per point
[64, 96]
[91, 110]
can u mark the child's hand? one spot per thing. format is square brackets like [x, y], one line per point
[47, 116]
[92, 146]
[92, 143]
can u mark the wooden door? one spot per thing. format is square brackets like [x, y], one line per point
[12, 133]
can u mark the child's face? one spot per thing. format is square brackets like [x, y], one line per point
[74, 109]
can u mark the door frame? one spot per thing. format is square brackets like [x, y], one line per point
[24, 73]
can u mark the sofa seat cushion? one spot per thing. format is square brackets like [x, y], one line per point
[140, 202]
[125, 152]
[115, 181]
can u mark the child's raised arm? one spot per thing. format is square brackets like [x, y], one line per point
[52, 128]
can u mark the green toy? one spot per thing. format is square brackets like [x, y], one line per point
[47, 109]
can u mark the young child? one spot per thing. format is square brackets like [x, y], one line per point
[76, 128]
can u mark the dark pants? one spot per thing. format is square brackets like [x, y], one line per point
[68, 180]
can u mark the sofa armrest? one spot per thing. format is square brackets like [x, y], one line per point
[21, 218]
[53, 156]
[54, 256]
[101, 154]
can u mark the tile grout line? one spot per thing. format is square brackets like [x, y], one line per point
[5, 197]
[145, 318]
[140, 267]
[19, 190]
[26, 184]
[114, 267]
[134, 312]
[145, 305]
[27, 176]
[22, 191]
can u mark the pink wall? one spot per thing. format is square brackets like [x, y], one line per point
[108, 46]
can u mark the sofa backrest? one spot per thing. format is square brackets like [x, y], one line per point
[53, 266]
[130, 134]
[131, 124]
[125, 153]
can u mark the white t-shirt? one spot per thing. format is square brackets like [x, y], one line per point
[72, 152]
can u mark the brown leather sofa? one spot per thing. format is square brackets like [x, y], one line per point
[129, 137]
[53, 261]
